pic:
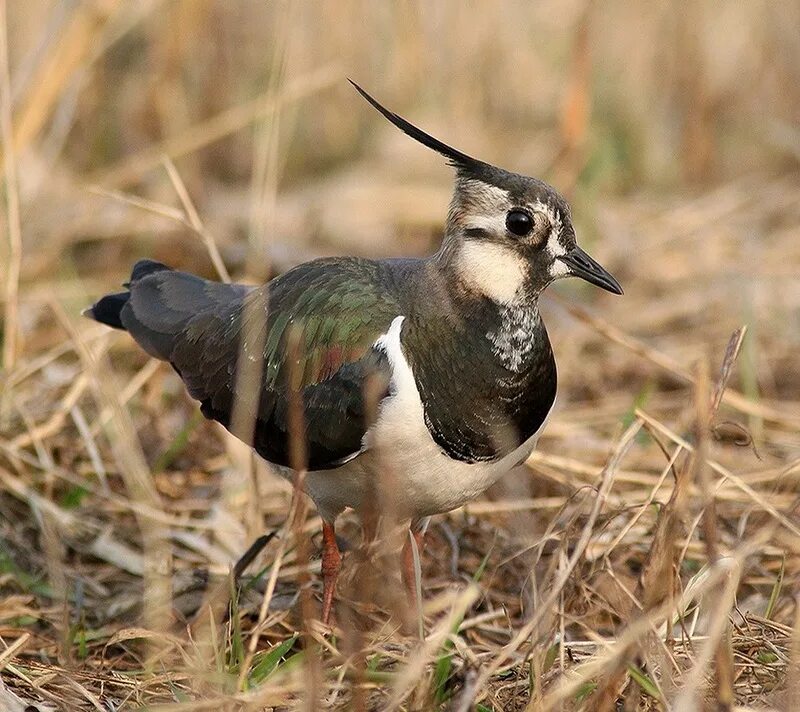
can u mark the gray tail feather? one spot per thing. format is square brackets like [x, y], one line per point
[161, 303]
[108, 309]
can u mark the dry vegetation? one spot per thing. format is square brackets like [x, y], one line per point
[646, 557]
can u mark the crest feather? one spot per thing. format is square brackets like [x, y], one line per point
[461, 161]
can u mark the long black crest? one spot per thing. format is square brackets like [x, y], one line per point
[457, 159]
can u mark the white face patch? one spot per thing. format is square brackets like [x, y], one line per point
[554, 247]
[558, 269]
[495, 271]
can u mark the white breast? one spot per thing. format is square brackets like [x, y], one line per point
[401, 459]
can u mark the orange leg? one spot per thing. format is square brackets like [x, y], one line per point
[409, 579]
[331, 564]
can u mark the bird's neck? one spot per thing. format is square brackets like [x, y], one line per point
[488, 361]
[489, 304]
[517, 334]
[485, 269]
[491, 277]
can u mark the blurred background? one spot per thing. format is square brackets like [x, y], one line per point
[217, 135]
[673, 129]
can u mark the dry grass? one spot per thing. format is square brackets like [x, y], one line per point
[646, 557]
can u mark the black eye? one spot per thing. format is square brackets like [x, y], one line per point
[519, 222]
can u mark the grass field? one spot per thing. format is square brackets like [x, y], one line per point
[646, 557]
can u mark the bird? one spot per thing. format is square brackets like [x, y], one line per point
[436, 370]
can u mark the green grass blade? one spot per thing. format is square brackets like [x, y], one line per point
[266, 662]
[644, 681]
[776, 591]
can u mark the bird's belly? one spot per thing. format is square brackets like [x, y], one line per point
[419, 479]
[405, 473]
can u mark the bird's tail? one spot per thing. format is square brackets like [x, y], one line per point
[114, 309]
[161, 302]
[108, 309]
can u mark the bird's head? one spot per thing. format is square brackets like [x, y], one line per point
[505, 232]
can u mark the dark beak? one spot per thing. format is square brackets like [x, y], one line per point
[583, 266]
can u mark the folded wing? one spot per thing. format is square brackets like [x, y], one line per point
[308, 334]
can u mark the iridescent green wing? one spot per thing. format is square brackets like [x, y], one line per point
[323, 319]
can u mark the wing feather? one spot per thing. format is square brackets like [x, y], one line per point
[337, 309]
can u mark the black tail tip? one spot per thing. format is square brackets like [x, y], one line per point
[108, 310]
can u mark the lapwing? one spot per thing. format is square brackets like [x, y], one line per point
[420, 381]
